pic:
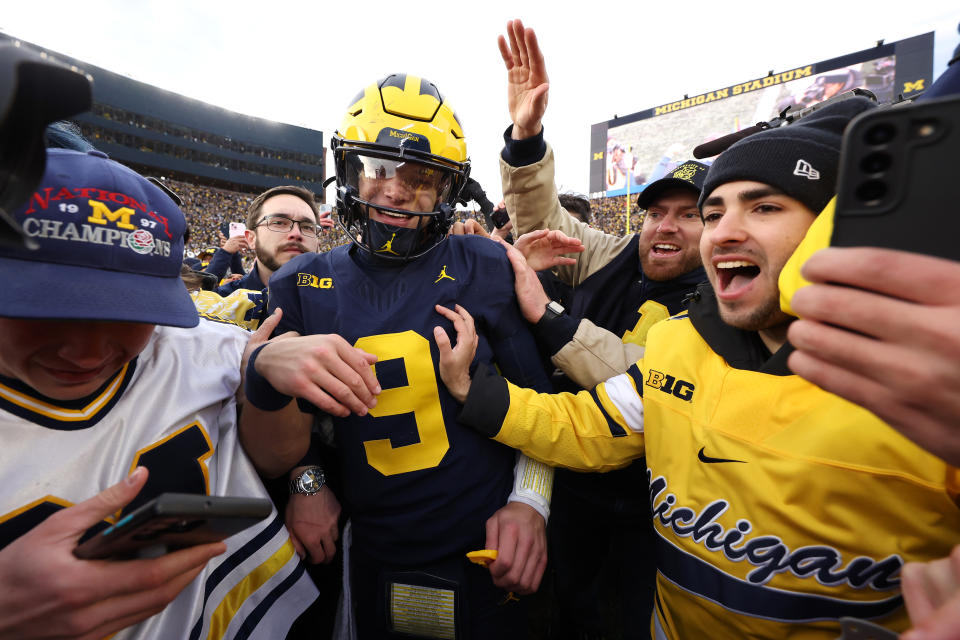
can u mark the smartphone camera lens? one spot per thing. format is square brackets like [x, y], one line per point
[871, 192]
[876, 162]
[880, 134]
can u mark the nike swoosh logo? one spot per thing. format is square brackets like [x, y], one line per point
[709, 460]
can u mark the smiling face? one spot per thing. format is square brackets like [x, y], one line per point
[670, 236]
[409, 186]
[750, 230]
[68, 360]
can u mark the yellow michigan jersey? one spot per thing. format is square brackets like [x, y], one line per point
[779, 507]
[171, 409]
[242, 307]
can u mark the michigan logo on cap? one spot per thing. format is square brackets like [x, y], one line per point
[688, 171]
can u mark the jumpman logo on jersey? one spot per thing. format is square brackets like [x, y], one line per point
[388, 246]
[443, 274]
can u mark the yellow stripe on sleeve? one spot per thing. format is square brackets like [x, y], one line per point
[231, 603]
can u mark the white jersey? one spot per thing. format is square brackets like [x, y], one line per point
[173, 410]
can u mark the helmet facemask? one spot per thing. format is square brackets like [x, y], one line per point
[395, 182]
[399, 151]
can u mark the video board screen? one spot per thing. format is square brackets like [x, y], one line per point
[629, 152]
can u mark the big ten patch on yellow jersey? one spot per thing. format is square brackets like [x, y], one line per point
[779, 507]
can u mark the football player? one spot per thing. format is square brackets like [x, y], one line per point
[421, 489]
[106, 374]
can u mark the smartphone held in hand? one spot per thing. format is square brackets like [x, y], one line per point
[898, 182]
[236, 229]
[173, 521]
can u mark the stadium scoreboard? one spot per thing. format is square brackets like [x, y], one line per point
[631, 151]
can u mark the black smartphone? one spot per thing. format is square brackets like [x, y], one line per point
[898, 184]
[174, 521]
[500, 217]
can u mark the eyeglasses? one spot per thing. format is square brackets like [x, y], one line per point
[282, 224]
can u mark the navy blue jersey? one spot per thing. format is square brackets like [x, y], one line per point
[419, 485]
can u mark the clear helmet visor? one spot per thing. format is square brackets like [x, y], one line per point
[412, 186]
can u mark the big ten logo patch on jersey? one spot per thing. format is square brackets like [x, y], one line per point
[102, 217]
[310, 280]
[669, 384]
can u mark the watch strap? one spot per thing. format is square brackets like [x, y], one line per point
[553, 310]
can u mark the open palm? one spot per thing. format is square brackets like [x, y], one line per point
[527, 82]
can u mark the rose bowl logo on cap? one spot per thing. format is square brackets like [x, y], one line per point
[140, 241]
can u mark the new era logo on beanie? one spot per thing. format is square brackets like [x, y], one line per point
[800, 159]
[805, 170]
[689, 175]
[110, 246]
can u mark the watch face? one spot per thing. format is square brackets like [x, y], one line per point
[309, 481]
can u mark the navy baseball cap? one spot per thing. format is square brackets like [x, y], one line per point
[110, 246]
[689, 175]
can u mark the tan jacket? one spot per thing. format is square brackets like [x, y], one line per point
[594, 354]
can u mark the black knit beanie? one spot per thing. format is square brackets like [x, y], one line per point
[800, 159]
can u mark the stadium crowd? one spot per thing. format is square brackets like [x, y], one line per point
[206, 209]
[609, 215]
[738, 414]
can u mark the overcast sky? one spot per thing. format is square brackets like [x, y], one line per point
[301, 62]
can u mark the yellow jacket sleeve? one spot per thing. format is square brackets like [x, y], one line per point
[597, 430]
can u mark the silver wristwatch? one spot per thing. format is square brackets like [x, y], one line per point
[308, 482]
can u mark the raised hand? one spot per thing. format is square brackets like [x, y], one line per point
[527, 82]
